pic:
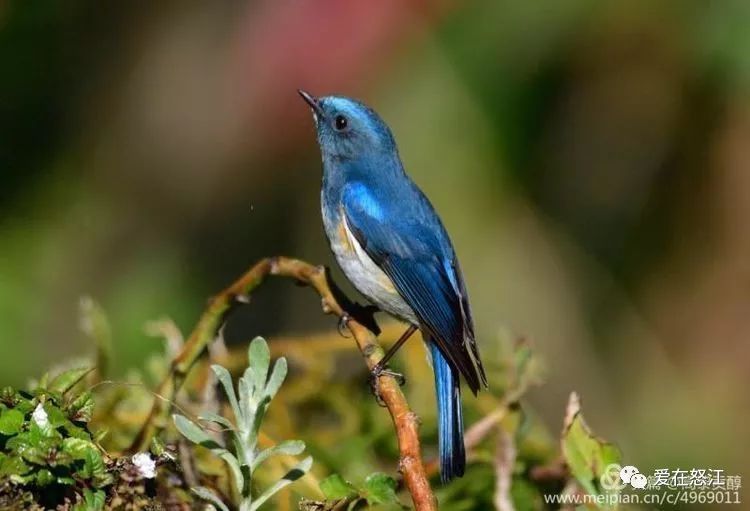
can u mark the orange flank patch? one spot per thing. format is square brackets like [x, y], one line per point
[344, 237]
[387, 283]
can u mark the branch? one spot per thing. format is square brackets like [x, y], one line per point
[505, 458]
[404, 420]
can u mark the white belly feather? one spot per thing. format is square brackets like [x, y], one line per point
[369, 280]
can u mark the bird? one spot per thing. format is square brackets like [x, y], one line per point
[392, 246]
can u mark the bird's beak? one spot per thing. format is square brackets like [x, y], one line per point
[313, 102]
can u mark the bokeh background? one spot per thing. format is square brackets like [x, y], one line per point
[591, 161]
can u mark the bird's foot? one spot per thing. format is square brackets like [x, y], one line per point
[376, 373]
[343, 326]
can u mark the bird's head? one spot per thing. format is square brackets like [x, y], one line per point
[349, 130]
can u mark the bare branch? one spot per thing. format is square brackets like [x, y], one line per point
[505, 458]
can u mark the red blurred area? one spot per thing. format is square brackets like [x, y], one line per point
[323, 47]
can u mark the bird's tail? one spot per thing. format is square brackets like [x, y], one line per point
[450, 417]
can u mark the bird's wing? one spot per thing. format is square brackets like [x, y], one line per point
[413, 250]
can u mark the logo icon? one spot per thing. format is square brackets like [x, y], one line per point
[611, 478]
[638, 481]
[616, 477]
[627, 472]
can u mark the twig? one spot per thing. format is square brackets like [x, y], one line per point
[404, 420]
[505, 458]
[483, 427]
[199, 339]
[556, 471]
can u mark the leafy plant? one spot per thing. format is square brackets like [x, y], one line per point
[45, 446]
[378, 488]
[256, 389]
[586, 455]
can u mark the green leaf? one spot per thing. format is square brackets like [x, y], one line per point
[77, 448]
[44, 477]
[217, 419]
[277, 377]
[59, 459]
[196, 434]
[93, 465]
[41, 432]
[31, 445]
[226, 381]
[295, 473]
[24, 405]
[193, 432]
[9, 396]
[76, 431]
[260, 412]
[288, 447]
[55, 416]
[248, 405]
[259, 358]
[234, 465]
[81, 408]
[157, 447]
[334, 487]
[66, 380]
[11, 422]
[36, 455]
[12, 465]
[380, 489]
[586, 455]
[210, 496]
[93, 500]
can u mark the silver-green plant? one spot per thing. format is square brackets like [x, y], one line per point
[256, 389]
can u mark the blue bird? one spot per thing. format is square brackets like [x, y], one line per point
[393, 247]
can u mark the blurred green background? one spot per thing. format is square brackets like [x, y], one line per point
[590, 159]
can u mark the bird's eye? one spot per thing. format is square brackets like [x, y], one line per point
[340, 122]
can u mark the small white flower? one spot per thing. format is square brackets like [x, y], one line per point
[40, 416]
[145, 464]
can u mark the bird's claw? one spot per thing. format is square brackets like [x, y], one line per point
[400, 379]
[376, 392]
[343, 325]
[379, 371]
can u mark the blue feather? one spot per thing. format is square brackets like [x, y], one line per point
[415, 253]
[450, 417]
[363, 196]
[403, 260]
